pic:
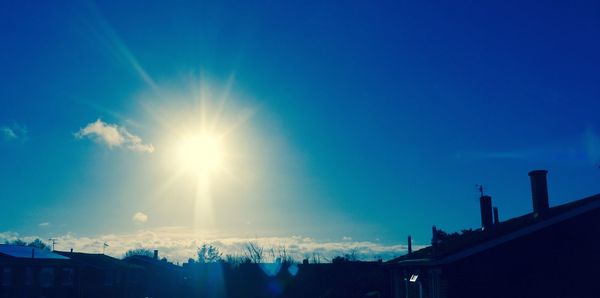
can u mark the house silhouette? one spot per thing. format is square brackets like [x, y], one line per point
[550, 252]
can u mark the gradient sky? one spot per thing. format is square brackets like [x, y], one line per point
[352, 120]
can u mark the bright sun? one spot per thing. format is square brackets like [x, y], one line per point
[202, 133]
[201, 153]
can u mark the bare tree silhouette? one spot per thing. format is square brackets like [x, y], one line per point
[16, 242]
[139, 252]
[208, 254]
[37, 243]
[254, 252]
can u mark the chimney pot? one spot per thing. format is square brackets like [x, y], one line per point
[539, 191]
[496, 218]
[485, 204]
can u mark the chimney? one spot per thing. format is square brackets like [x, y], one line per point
[409, 244]
[156, 254]
[539, 191]
[71, 250]
[485, 204]
[496, 218]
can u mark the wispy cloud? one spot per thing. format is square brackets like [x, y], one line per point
[13, 132]
[581, 149]
[44, 224]
[179, 244]
[113, 135]
[8, 133]
[139, 218]
[503, 155]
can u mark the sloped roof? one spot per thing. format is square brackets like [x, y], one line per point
[463, 245]
[100, 261]
[20, 251]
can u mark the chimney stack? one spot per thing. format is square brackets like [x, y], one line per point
[496, 218]
[485, 204]
[156, 254]
[539, 191]
[409, 244]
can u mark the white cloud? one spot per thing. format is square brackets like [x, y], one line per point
[44, 224]
[113, 135]
[179, 244]
[139, 217]
[13, 132]
[8, 133]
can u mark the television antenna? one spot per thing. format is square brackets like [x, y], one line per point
[480, 188]
[53, 241]
[104, 246]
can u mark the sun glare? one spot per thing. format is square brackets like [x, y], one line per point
[201, 154]
[202, 131]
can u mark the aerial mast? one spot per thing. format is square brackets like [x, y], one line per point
[53, 241]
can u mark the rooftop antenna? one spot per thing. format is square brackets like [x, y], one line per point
[480, 189]
[104, 246]
[53, 240]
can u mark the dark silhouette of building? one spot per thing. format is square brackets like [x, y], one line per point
[550, 252]
[159, 278]
[32, 272]
[99, 275]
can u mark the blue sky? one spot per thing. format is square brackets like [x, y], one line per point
[351, 120]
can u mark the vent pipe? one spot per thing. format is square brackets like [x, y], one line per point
[496, 218]
[409, 244]
[485, 204]
[539, 191]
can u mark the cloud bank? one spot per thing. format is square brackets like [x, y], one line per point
[179, 244]
[113, 135]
